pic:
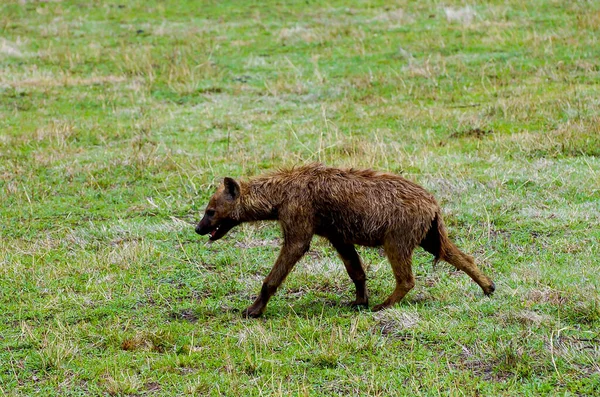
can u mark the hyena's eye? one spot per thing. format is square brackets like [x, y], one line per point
[209, 212]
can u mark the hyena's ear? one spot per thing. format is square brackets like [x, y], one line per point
[232, 188]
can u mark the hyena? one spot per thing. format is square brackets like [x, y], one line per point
[347, 207]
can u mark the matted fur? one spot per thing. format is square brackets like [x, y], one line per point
[346, 206]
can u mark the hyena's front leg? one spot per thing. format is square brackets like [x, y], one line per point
[293, 249]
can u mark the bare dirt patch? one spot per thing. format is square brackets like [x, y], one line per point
[487, 370]
[184, 315]
[478, 133]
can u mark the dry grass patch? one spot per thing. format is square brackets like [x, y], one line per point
[124, 382]
[10, 49]
[462, 16]
[253, 243]
[394, 321]
[59, 81]
[547, 295]
[573, 138]
[528, 318]
[298, 33]
[257, 335]
[589, 211]
[158, 341]
[393, 17]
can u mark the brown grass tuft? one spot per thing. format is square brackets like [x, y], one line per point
[546, 295]
[393, 321]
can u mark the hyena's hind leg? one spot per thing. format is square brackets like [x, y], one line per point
[355, 270]
[400, 256]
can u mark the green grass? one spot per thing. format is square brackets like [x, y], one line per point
[117, 120]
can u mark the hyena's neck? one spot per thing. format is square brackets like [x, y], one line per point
[257, 202]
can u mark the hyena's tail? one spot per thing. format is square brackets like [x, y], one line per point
[436, 242]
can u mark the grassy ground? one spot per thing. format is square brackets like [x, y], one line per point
[117, 119]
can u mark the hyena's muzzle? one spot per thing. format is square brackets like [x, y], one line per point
[215, 227]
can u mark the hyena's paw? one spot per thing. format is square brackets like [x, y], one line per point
[252, 312]
[358, 303]
[489, 290]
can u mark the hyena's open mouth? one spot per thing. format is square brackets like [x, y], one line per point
[214, 232]
[221, 229]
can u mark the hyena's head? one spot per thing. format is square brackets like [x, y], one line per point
[220, 214]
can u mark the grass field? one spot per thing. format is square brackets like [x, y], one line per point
[118, 119]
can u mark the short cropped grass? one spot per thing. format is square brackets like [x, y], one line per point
[118, 119]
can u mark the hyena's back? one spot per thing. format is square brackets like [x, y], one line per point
[361, 207]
